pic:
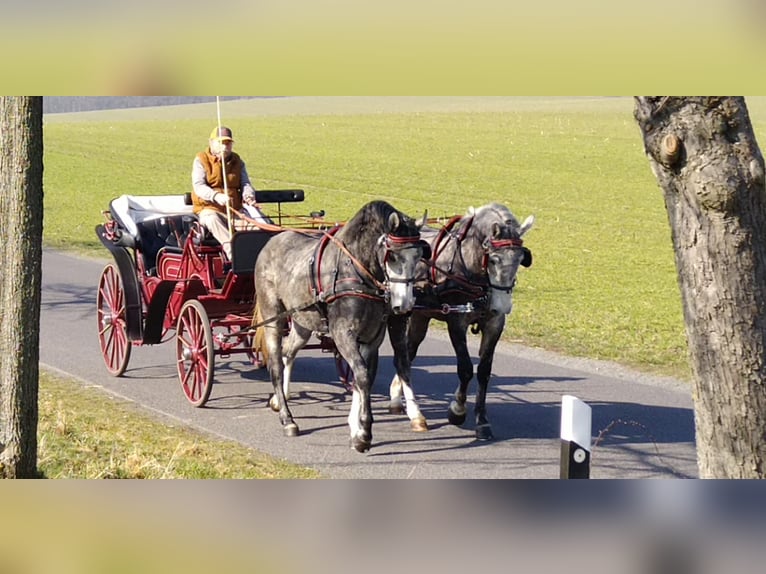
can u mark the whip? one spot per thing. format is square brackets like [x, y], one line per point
[223, 168]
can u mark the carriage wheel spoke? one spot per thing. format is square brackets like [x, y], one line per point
[112, 324]
[194, 352]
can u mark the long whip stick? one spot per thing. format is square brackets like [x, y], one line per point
[223, 168]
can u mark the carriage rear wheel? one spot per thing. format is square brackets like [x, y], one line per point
[112, 322]
[194, 352]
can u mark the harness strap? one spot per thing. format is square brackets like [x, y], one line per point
[315, 273]
[437, 249]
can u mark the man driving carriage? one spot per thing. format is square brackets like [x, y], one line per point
[220, 178]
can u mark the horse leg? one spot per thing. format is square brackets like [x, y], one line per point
[273, 336]
[363, 360]
[457, 333]
[405, 335]
[296, 340]
[490, 335]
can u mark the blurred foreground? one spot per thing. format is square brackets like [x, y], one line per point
[346, 47]
[320, 527]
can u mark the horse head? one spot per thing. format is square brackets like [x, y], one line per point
[387, 243]
[401, 252]
[500, 236]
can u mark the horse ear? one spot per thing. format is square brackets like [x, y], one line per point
[496, 230]
[527, 225]
[421, 222]
[393, 221]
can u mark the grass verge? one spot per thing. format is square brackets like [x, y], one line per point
[87, 434]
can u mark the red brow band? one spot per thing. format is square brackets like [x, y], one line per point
[395, 239]
[500, 243]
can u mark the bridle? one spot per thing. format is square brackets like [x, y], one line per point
[490, 246]
[392, 243]
[497, 245]
[395, 244]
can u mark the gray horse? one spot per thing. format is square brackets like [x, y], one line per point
[344, 283]
[469, 281]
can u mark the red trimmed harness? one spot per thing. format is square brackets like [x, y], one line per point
[471, 288]
[354, 286]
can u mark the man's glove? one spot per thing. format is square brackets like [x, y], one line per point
[221, 199]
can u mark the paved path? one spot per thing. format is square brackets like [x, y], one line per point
[650, 420]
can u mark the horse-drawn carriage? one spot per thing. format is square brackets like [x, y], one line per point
[170, 278]
[346, 286]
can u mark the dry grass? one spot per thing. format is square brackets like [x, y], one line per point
[84, 433]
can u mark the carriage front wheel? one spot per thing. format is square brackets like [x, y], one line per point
[112, 321]
[194, 352]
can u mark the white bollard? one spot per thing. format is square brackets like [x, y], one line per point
[575, 438]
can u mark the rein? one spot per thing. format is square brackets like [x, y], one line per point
[327, 236]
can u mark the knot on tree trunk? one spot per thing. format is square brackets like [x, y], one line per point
[670, 150]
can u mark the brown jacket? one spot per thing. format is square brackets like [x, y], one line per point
[214, 171]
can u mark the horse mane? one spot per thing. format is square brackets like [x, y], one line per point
[364, 229]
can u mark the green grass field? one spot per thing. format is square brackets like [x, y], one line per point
[603, 284]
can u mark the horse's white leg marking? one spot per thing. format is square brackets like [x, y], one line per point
[287, 369]
[286, 377]
[354, 413]
[395, 390]
[457, 408]
[413, 409]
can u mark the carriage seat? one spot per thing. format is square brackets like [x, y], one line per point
[154, 223]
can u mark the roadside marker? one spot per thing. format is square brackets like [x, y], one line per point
[575, 438]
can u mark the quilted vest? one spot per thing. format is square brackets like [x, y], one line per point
[214, 171]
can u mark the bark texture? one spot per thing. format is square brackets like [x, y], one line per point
[21, 226]
[705, 157]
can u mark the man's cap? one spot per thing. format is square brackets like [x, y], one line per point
[221, 134]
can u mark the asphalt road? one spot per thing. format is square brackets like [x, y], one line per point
[643, 427]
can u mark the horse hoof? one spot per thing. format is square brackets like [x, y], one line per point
[395, 409]
[484, 433]
[290, 429]
[455, 419]
[360, 445]
[419, 424]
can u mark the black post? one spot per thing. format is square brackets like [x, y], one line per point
[575, 438]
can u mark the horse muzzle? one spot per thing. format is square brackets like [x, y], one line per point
[401, 297]
[500, 301]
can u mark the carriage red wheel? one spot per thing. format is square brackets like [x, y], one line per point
[112, 325]
[194, 352]
[345, 374]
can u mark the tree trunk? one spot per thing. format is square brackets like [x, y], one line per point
[21, 230]
[704, 154]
